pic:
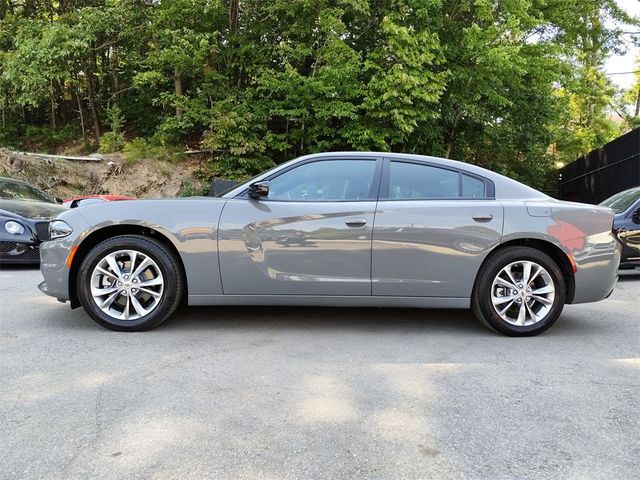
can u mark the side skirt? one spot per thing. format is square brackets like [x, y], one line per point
[331, 301]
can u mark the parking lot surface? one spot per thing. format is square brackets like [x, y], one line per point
[304, 393]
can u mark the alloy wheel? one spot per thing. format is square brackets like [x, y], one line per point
[127, 284]
[523, 293]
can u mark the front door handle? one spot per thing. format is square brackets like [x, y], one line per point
[356, 222]
[482, 218]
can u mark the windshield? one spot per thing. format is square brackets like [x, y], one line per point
[620, 202]
[12, 190]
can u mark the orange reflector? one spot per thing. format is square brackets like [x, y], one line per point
[72, 254]
[572, 261]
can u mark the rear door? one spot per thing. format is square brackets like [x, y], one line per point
[310, 236]
[434, 226]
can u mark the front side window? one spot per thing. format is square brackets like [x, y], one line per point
[325, 180]
[412, 181]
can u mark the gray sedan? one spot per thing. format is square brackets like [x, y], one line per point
[339, 229]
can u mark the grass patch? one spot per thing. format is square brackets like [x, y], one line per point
[140, 148]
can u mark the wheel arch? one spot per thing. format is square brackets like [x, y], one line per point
[554, 251]
[104, 233]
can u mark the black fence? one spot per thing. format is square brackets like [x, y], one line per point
[220, 185]
[603, 172]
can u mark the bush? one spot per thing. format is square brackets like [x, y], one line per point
[47, 139]
[188, 189]
[111, 142]
[139, 148]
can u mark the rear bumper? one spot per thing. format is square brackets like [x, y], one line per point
[597, 268]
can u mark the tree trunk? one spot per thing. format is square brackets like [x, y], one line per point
[451, 135]
[80, 111]
[53, 106]
[234, 16]
[114, 68]
[638, 102]
[177, 82]
[92, 103]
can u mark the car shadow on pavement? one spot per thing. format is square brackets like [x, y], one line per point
[321, 318]
[18, 266]
[370, 320]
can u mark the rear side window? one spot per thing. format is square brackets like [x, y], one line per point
[472, 187]
[412, 181]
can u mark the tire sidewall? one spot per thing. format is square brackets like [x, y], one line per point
[482, 294]
[170, 294]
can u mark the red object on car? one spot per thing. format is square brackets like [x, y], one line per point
[90, 199]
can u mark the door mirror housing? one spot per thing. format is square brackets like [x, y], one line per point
[635, 216]
[259, 189]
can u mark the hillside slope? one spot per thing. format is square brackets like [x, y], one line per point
[143, 179]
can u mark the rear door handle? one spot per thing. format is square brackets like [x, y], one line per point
[482, 218]
[356, 222]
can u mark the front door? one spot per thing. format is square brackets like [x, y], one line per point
[310, 236]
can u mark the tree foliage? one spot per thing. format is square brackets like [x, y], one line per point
[513, 85]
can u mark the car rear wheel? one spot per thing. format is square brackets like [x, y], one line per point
[520, 291]
[130, 283]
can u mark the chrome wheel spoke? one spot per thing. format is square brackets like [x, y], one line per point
[543, 300]
[137, 307]
[113, 264]
[99, 292]
[504, 310]
[523, 293]
[510, 274]
[522, 314]
[150, 292]
[151, 283]
[141, 268]
[115, 287]
[535, 275]
[543, 290]
[501, 300]
[107, 273]
[127, 306]
[108, 301]
[526, 272]
[501, 281]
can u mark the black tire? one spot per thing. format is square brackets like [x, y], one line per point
[481, 302]
[165, 259]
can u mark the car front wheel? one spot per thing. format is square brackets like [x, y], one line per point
[130, 283]
[520, 291]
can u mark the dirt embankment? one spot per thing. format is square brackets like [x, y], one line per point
[110, 175]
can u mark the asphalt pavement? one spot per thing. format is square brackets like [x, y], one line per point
[304, 393]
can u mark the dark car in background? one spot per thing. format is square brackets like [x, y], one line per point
[25, 213]
[626, 224]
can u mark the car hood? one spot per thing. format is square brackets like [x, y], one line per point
[30, 209]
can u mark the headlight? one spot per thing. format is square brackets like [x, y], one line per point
[14, 228]
[59, 229]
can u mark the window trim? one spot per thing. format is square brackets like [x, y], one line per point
[489, 187]
[372, 196]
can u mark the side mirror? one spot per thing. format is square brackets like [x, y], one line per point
[59, 201]
[259, 189]
[635, 216]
